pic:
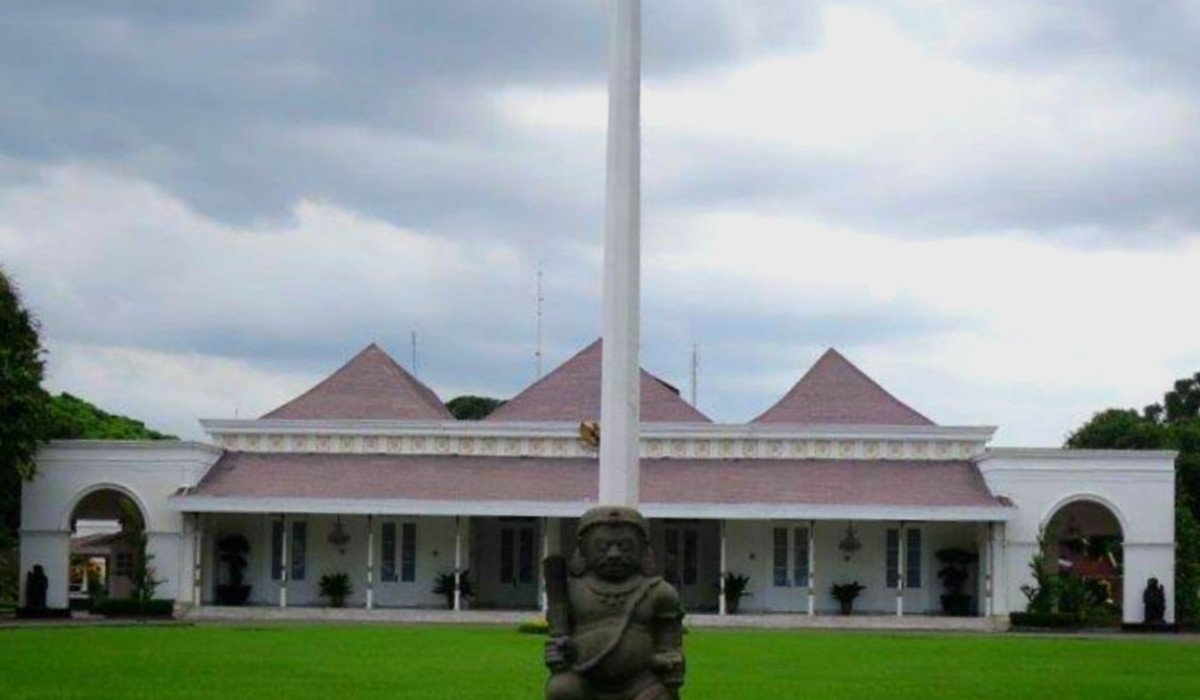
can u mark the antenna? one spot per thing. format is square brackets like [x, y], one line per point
[414, 352]
[695, 371]
[541, 299]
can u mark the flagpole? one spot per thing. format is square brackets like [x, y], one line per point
[620, 400]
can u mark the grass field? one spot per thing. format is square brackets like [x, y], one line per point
[400, 663]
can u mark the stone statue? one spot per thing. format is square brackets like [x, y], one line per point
[616, 629]
[36, 585]
[1155, 600]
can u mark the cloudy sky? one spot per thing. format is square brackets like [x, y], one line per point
[992, 207]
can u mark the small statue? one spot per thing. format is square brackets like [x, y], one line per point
[616, 629]
[36, 586]
[1155, 600]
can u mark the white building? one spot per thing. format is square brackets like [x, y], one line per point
[367, 474]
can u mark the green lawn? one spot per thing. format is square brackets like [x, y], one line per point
[353, 663]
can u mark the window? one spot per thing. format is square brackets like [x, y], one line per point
[387, 555]
[800, 557]
[276, 550]
[408, 552]
[299, 548]
[780, 558]
[682, 567]
[405, 568]
[912, 558]
[516, 555]
[124, 564]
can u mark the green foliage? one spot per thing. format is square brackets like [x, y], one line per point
[337, 588]
[473, 407]
[1173, 424]
[1042, 598]
[443, 585]
[735, 590]
[23, 404]
[10, 578]
[1047, 620]
[538, 625]
[112, 607]
[846, 592]
[72, 418]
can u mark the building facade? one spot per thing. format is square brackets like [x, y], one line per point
[367, 474]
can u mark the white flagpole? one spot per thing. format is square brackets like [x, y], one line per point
[620, 401]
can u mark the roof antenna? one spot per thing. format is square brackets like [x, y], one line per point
[414, 352]
[541, 299]
[695, 371]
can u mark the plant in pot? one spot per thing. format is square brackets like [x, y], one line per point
[443, 585]
[735, 590]
[954, 573]
[845, 593]
[232, 552]
[337, 588]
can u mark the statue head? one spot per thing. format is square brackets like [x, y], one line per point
[614, 543]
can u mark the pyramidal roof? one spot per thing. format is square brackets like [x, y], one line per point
[835, 392]
[371, 386]
[572, 393]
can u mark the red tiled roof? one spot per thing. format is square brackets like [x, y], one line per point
[459, 478]
[835, 392]
[371, 386]
[572, 393]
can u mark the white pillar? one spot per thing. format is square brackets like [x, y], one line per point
[900, 571]
[721, 604]
[458, 538]
[812, 565]
[543, 597]
[989, 554]
[370, 562]
[620, 401]
[285, 568]
[197, 559]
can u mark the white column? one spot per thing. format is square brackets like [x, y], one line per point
[543, 598]
[900, 572]
[370, 562]
[285, 569]
[812, 565]
[458, 538]
[989, 553]
[721, 604]
[197, 559]
[620, 402]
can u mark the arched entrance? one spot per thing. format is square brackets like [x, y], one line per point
[108, 530]
[1085, 538]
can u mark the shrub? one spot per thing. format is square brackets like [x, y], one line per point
[537, 625]
[443, 585]
[337, 588]
[120, 607]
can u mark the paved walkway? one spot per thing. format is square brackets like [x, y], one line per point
[499, 617]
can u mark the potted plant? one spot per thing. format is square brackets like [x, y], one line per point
[954, 574]
[845, 593]
[735, 590]
[443, 585]
[232, 551]
[336, 587]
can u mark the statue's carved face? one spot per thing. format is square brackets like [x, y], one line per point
[614, 552]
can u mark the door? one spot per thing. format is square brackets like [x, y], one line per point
[681, 563]
[518, 566]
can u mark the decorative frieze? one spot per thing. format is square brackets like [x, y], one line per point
[653, 446]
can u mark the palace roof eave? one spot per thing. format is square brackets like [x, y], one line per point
[573, 509]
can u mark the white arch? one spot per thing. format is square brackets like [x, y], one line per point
[106, 486]
[1085, 497]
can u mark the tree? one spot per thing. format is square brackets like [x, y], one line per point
[1173, 424]
[23, 404]
[473, 407]
[72, 418]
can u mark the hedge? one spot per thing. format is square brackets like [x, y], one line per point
[1047, 620]
[114, 607]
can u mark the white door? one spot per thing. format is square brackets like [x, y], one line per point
[518, 561]
[681, 564]
[787, 589]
